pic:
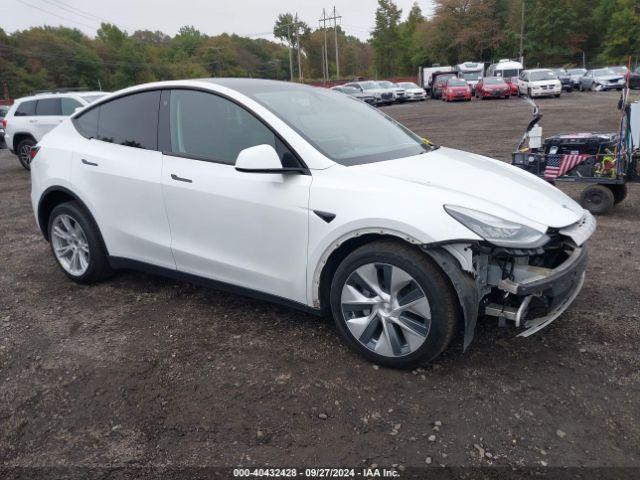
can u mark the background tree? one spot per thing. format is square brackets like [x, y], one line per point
[386, 39]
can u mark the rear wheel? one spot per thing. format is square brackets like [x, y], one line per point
[24, 152]
[393, 305]
[76, 244]
[598, 199]
[619, 192]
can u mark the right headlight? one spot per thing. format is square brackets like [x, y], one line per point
[496, 230]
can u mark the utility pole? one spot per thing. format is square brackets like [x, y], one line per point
[297, 25]
[324, 20]
[290, 57]
[522, 34]
[325, 54]
[335, 31]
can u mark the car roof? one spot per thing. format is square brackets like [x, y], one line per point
[44, 95]
[538, 70]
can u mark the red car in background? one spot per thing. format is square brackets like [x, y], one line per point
[456, 89]
[513, 84]
[493, 87]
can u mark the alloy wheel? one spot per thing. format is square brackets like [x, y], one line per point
[385, 309]
[24, 155]
[70, 245]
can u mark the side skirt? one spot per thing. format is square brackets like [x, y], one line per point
[120, 263]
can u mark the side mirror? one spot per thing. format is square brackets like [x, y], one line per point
[262, 159]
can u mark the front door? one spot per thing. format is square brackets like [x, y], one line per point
[246, 229]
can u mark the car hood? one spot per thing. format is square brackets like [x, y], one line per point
[608, 78]
[481, 183]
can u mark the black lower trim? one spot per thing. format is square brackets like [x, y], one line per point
[119, 263]
[563, 276]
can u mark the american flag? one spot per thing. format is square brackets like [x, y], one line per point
[559, 164]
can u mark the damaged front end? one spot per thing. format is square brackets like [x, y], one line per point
[526, 287]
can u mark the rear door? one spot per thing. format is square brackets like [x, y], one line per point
[117, 171]
[48, 116]
[246, 229]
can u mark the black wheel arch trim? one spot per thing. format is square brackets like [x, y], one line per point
[465, 287]
[44, 225]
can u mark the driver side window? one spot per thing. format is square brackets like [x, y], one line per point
[208, 127]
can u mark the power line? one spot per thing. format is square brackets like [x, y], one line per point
[87, 17]
[56, 15]
[83, 12]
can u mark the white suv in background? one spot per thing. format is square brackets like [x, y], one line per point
[30, 118]
[538, 83]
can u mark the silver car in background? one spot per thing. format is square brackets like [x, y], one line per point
[399, 95]
[576, 74]
[414, 92]
[601, 79]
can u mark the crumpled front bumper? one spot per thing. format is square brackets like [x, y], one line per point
[555, 288]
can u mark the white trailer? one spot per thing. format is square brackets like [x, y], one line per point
[425, 74]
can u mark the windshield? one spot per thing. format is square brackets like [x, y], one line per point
[618, 70]
[385, 84]
[470, 75]
[577, 71]
[493, 81]
[559, 71]
[408, 85]
[543, 75]
[348, 89]
[92, 98]
[603, 72]
[456, 82]
[512, 72]
[444, 78]
[369, 85]
[345, 130]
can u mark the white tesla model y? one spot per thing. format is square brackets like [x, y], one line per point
[306, 196]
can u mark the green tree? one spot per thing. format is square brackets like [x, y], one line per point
[386, 39]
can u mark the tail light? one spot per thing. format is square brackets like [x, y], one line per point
[4, 123]
[34, 151]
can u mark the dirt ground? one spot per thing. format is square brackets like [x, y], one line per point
[141, 371]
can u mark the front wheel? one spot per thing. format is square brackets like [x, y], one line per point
[76, 244]
[393, 305]
[24, 152]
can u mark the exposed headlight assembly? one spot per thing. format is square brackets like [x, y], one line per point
[497, 231]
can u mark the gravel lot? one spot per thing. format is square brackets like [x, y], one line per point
[142, 371]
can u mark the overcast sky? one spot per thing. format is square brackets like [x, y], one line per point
[244, 17]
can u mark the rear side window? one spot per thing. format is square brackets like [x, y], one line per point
[209, 127]
[131, 121]
[48, 107]
[87, 123]
[26, 109]
[69, 106]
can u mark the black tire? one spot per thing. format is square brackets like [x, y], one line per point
[619, 192]
[529, 93]
[22, 151]
[99, 268]
[443, 301]
[557, 95]
[598, 199]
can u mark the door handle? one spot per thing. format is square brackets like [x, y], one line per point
[33, 121]
[180, 179]
[87, 162]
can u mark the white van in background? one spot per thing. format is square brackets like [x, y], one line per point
[471, 72]
[509, 70]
